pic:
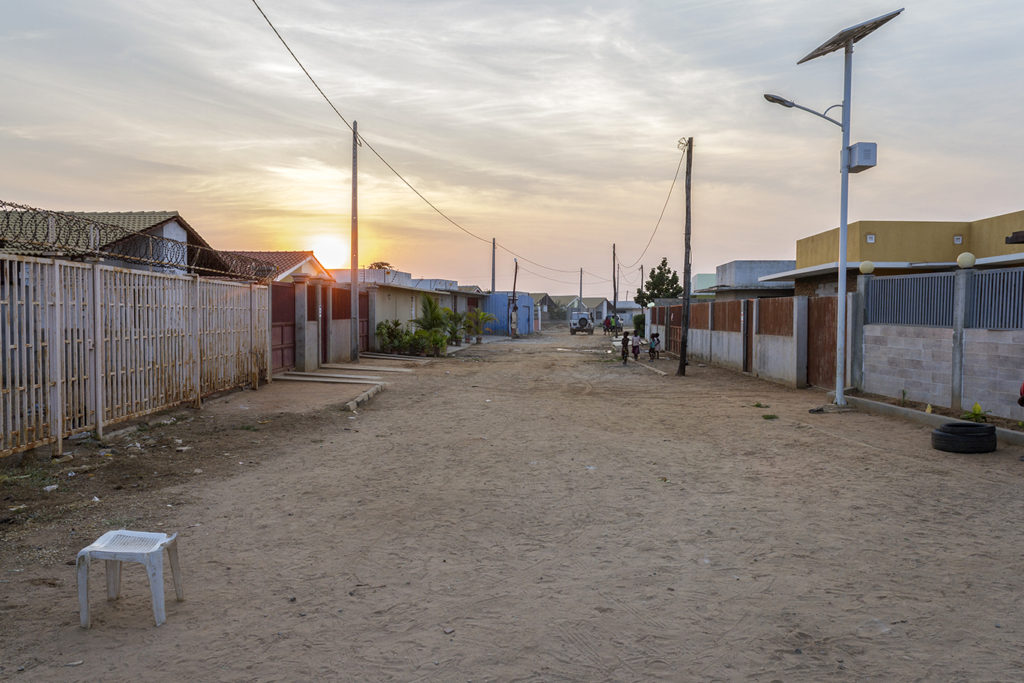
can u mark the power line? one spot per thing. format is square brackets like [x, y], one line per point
[563, 282]
[662, 215]
[381, 157]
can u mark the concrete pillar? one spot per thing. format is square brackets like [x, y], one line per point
[755, 317]
[302, 361]
[711, 332]
[800, 339]
[371, 315]
[961, 288]
[857, 310]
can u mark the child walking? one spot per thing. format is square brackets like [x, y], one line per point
[625, 347]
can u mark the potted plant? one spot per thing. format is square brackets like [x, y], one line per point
[477, 318]
[454, 324]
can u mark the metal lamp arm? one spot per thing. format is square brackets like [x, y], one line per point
[819, 114]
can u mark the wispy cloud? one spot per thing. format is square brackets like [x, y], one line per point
[551, 126]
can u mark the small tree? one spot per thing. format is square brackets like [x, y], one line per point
[381, 265]
[455, 323]
[477, 319]
[663, 283]
[431, 314]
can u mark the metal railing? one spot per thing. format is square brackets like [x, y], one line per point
[924, 299]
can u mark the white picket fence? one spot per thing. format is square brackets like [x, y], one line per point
[84, 346]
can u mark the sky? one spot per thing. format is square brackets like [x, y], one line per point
[549, 126]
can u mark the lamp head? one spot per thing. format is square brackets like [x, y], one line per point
[965, 260]
[775, 99]
[650, 304]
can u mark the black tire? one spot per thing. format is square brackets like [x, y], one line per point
[583, 322]
[964, 443]
[968, 429]
[572, 331]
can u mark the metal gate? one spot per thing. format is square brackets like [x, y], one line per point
[821, 341]
[282, 327]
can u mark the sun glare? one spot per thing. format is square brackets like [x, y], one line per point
[331, 251]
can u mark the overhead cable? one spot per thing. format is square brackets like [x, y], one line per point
[662, 215]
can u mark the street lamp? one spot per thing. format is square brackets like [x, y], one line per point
[857, 158]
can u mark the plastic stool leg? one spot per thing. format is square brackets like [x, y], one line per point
[113, 579]
[83, 590]
[172, 555]
[155, 569]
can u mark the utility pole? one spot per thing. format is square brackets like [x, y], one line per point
[494, 250]
[615, 282]
[688, 146]
[640, 287]
[354, 239]
[579, 305]
[513, 318]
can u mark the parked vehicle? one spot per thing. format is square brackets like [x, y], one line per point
[580, 322]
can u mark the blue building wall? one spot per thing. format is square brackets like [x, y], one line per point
[498, 305]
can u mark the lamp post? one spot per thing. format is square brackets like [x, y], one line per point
[864, 154]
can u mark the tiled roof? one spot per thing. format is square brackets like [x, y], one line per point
[284, 260]
[135, 221]
[27, 230]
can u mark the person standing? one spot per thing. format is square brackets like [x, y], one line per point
[652, 346]
[636, 345]
[625, 347]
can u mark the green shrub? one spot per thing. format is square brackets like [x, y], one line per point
[419, 341]
[639, 323]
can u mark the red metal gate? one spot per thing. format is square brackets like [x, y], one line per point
[282, 327]
[821, 341]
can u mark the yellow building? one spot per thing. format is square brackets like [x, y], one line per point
[902, 247]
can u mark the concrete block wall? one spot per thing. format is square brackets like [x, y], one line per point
[775, 358]
[918, 360]
[994, 370]
[699, 345]
[727, 349]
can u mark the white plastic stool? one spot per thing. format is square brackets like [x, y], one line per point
[130, 546]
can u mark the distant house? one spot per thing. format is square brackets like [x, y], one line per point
[700, 283]
[392, 294]
[160, 241]
[544, 303]
[740, 280]
[500, 304]
[290, 263]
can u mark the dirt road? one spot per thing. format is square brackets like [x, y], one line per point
[535, 511]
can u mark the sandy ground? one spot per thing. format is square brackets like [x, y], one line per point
[524, 512]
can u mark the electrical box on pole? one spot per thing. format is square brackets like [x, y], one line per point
[863, 155]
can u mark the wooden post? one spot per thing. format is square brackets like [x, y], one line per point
[686, 266]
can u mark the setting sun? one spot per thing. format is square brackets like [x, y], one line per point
[331, 250]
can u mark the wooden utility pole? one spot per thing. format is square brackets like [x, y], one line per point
[513, 318]
[615, 282]
[494, 250]
[579, 305]
[686, 261]
[354, 238]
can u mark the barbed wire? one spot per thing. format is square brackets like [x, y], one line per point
[31, 231]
